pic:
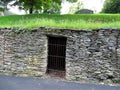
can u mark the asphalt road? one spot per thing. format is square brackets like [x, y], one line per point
[20, 83]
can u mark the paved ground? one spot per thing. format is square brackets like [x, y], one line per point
[20, 83]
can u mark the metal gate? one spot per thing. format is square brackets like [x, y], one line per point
[56, 53]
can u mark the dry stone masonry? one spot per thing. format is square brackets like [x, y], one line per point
[91, 56]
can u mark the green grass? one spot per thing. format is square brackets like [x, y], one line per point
[91, 21]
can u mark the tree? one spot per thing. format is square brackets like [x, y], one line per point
[55, 9]
[111, 6]
[44, 6]
[72, 0]
[29, 5]
[75, 7]
[36, 5]
[3, 4]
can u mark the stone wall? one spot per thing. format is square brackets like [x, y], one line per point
[91, 56]
[23, 54]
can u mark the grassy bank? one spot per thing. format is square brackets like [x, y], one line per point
[62, 21]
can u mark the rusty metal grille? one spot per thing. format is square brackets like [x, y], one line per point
[56, 53]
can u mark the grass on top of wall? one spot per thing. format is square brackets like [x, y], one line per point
[79, 21]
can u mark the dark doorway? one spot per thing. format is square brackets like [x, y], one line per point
[56, 55]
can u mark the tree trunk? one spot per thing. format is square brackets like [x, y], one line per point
[31, 10]
[31, 7]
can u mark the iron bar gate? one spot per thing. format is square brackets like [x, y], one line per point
[56, 53]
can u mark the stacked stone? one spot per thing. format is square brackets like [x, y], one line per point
[91, 56]
[1, 50]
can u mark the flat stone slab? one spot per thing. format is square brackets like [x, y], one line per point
[22, 83]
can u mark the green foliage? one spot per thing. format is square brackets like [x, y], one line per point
[111, 6]
[72, 0]
[40, 6]
[79, 21]
[1, 9]
[3, 4]
[75, 7]
[55, 9]
[37, 5]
